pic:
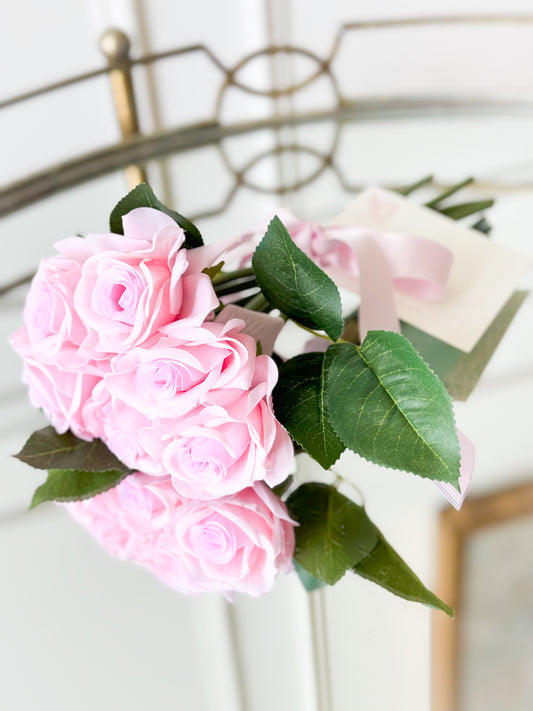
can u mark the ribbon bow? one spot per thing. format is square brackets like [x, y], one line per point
[375, 265]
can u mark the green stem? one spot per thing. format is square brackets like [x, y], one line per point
[339, 479]
[282, 488]
[450, 191]
[408, 189]
[234, 287]
[457, 212]
[256, 303]
[242, 302]
[223, 277]
[266, 308]
[315, 333]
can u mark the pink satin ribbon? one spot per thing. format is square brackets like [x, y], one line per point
[468, 456]
[376, 265]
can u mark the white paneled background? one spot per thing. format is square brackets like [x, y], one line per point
[80, 631]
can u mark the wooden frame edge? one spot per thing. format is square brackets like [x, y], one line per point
[453, 530]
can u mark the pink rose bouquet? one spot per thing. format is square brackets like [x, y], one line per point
[173, 435]
[120, 344]
[232, 544]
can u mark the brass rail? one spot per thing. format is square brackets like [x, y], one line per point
[66, 174]
[135, 149]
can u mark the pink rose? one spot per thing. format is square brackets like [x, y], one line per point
[133, 285]
[173, 376]
[130, 517]
[227, 443]
[231, 442]
[62, 390]
[326, 246]
[59, 379]
[52, 322]
[235, 544]
[196, 405]
[132, 437]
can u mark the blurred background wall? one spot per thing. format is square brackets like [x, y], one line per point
[79, 630]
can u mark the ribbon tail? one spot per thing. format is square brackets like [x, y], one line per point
[468, 455]
[377, 309]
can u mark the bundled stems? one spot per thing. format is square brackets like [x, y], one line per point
[450, 191]
[233, 287]
[257, 303]
[224, 277]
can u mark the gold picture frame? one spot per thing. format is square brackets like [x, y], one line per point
[476, 527]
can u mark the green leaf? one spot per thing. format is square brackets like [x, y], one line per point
[46, 449]
[214, 270]
[385, 568]
[309, 582]
[406, 190]
[74, 485]
[334, 533]
[294, 284]
[144, 196]
[299, 405]
[449, 192]
[334, 530]
[386, 404]
[283, 486]
[457, 212]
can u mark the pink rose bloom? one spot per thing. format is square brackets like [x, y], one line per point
[132, 437]
[53, 326]
[173, 375]
[231, 442]
[133, 285]
[59, 379]
[61, 395]
[103, 294]
[227, 443]
[235, 544]
[196, 405]
[131, 516]
[326, 246]
[61, 387]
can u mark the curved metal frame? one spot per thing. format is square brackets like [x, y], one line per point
[499, 19]
[135, 149]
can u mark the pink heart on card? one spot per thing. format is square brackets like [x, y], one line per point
[380, 209]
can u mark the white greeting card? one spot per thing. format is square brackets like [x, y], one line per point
[483, 276]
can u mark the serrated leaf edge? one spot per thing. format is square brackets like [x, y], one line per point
[390, 466]
[68, 499]
[286, 240]
[82, 443]
[302, 445]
